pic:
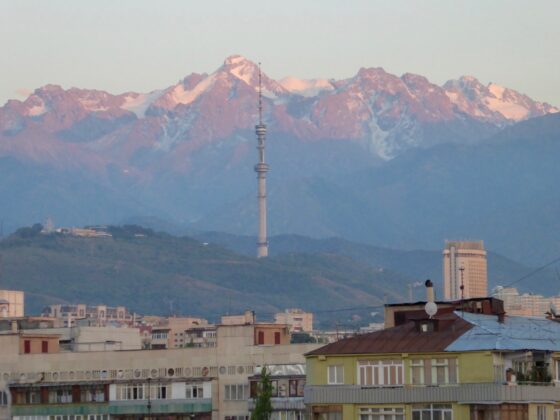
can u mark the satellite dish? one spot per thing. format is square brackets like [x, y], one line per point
[431, 309]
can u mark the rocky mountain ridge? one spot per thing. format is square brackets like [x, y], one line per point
[383, 113]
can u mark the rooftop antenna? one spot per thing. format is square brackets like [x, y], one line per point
[261, 169]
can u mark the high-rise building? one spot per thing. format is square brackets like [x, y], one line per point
[11, 303]
[261, 169]
[465, 273]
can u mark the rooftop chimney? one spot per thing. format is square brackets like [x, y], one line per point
[429, 291]
[430, 307]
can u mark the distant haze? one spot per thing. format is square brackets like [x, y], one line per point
[143, 45]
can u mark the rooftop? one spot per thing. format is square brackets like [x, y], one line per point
[405, 338]
[454, 332]
[515, 333]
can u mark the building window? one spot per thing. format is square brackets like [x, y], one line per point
[380, 372]
[335, 374]
[27, 346]
[236, 417]
[140, 392]
[274, 388]
[384, 413]
[417, 372]
[432, 412]
[440, 371]
[236, 392]
[44, 346]
[295, 415]
[60, 396]
[194, 392]
[3, 398]
[260, 337]
[296, 387]
[276, 338]
[92, 394]
[30, 397]
[541, 412]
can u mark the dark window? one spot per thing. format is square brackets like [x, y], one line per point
[254, 386]
[276, 338]
[293, 388]
[27, 346]
[261, 337]
[44, 346]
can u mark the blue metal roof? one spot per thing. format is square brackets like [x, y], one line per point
[515, 333]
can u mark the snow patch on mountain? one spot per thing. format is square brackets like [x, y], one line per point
[138, 103]
[306, 87]
[36, 107]
[182, 96]
[493, 102]
[243, 69]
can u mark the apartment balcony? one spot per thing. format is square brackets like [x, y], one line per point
[161, 406]
[461, 393]
[113, 408]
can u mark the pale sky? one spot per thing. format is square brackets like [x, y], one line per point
[136, 45]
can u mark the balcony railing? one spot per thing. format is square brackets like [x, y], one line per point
[464, 393]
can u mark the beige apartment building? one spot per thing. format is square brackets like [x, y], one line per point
[98, 315]
[297, 319]
[172, 384]
[464, 265]
[170, 333]
[11, 304]
[525, 304]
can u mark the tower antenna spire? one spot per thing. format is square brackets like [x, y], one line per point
[260, 95]
[261, 169]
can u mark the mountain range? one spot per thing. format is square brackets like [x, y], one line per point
[377, 158]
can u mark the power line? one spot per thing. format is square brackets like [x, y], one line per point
[535, 271]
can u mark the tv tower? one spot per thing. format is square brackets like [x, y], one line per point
[261, 169]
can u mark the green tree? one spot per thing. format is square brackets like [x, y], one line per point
[302, 337]
[263, 405]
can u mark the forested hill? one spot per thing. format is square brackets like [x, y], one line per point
[161, 274]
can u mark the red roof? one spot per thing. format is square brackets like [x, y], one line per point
[406, 338]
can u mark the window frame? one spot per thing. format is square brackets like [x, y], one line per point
[440, 363]
[232, 392]
[381, 413]
[333, 379]
[196, 391]
[430, 409]
[380, 372]
[421, 365]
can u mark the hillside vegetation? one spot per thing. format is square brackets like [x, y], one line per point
[161, 274]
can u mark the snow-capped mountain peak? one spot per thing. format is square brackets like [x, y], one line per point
[243, 69]
[493, 102]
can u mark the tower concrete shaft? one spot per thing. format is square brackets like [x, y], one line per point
[261, 169]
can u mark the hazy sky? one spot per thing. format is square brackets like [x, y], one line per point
[145, 45]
